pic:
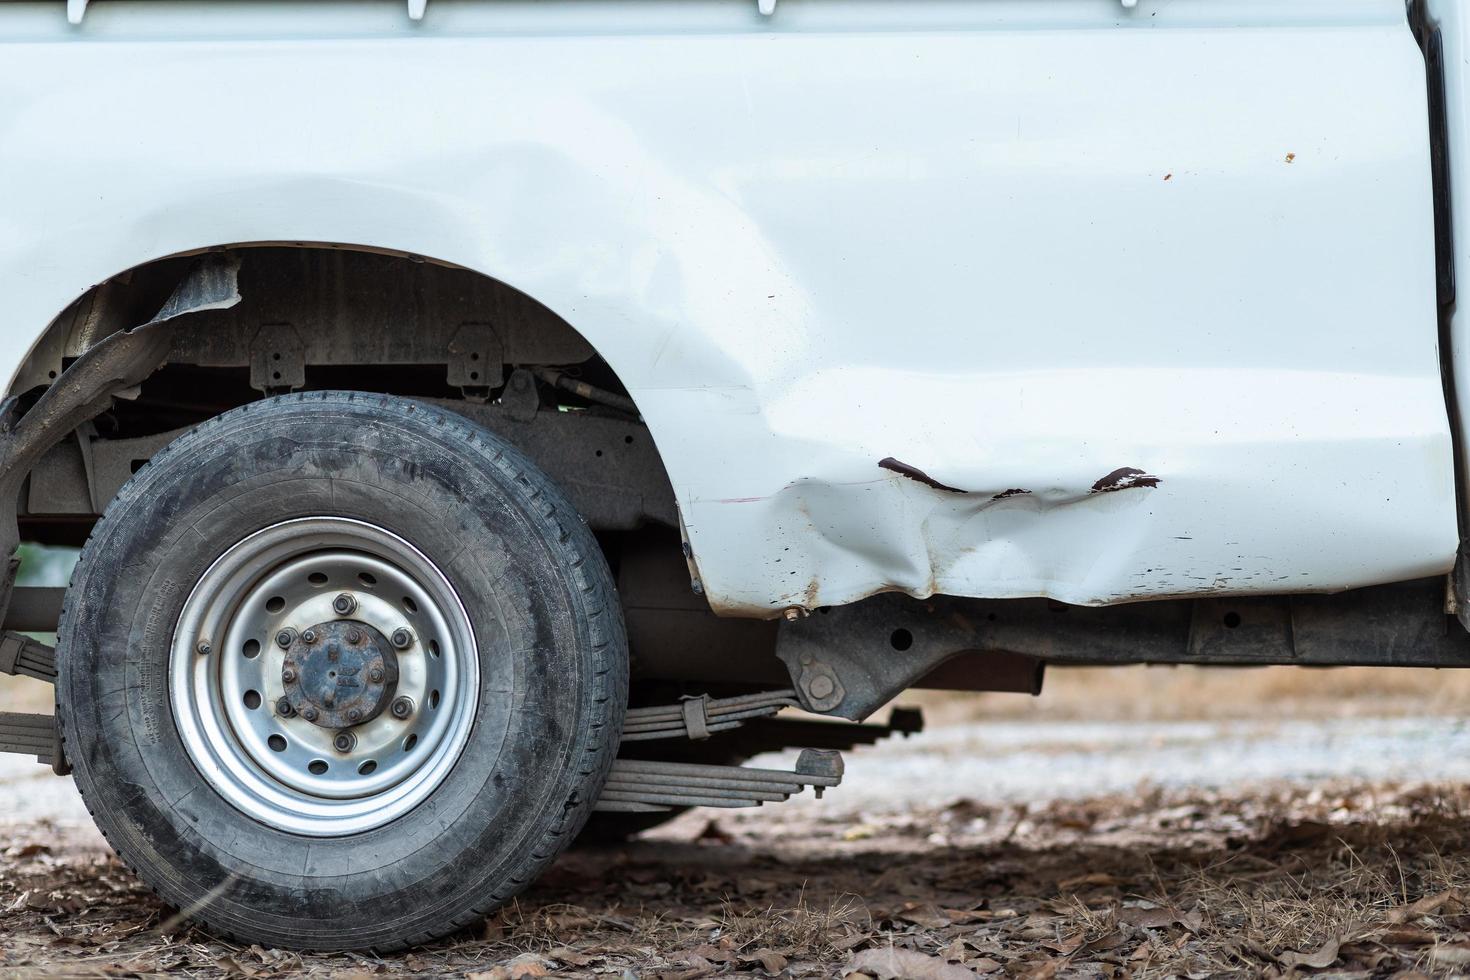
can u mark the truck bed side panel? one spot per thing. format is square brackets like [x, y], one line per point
[1016, 298]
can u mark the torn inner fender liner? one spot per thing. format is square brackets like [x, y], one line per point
[107, 370]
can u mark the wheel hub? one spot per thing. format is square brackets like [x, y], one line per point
[339, 674]
[324, 676]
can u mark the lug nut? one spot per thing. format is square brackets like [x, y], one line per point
[309, 714]
[402, 707]
[376, 675]
[288, 676]
[354, 637]
[344, 742]
[344, 604]
[284, 709]
[285, 638]
[354, 714]
[203, 647]
[308, 636]
[401, 639]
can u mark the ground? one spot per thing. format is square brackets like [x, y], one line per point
[1135, 823]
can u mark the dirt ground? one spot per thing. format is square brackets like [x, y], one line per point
[1222, 840]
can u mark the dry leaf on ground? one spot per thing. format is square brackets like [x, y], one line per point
[1320, 959]
[890, 963]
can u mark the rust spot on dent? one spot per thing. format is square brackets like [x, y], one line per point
[1126, 478]
[916, 474]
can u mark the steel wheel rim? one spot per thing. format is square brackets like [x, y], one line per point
[226, 664]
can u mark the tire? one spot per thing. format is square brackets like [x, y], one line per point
[522, 642]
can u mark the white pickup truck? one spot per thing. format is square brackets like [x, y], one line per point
[480, 414]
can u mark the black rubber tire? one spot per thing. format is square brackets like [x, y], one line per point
[547, 624]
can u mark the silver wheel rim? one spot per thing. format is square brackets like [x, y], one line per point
[227, 660]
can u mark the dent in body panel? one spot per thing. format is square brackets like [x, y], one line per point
[918, 556]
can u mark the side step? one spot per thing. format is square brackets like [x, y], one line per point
[636, 786]
[30, 734]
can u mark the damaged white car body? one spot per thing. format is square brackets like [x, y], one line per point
[1032, 310]
[1017, 246]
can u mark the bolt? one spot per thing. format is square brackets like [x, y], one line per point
[344, 742]
[354, 637]
[203, 647]
[309, 636]
[288, 676]
[284, 709]
[309, 714]
[401, 639]
[376, 675]
[354, 714]
[285, 638]
[820, 686]
[344, 604]
[402, 707]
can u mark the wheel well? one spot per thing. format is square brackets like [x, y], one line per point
[323, 318]
[321, 307]
[318, 317]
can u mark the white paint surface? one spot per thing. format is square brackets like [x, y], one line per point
[1017, 244]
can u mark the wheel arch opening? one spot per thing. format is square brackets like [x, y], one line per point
[323, 316]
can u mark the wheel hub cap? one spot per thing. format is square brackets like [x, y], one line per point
[324, 676]
[339, 674]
